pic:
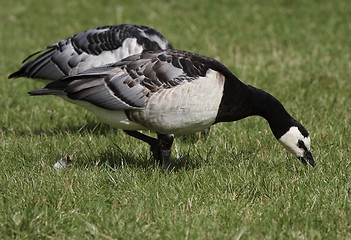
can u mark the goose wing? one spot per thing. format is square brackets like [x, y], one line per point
[92, 48]
[129, 83]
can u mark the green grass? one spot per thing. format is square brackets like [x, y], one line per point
[239, 183]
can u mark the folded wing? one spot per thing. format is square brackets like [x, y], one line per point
[92, 48]
[128, 84]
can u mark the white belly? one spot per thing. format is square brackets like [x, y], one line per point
[115, 118]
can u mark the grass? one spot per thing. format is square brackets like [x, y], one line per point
[237, 184]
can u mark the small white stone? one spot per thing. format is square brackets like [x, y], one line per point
[62, 163]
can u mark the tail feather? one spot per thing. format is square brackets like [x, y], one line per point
[46, 91]
[59, 87]
[41, 67]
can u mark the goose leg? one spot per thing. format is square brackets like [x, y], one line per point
[153, 142]
[160, 147]
[165, 142]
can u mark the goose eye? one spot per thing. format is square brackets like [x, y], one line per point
[301, 144]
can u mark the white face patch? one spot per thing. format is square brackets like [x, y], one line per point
[290, 141]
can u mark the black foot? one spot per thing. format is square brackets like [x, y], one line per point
[160, 147]
[165, 142]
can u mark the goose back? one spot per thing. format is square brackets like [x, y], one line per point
[89, 49]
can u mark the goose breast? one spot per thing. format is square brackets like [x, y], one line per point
[189, 107]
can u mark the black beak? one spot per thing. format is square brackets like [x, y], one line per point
[307, 158]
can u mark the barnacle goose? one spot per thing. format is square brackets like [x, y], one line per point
[174, 92]
[92, 48]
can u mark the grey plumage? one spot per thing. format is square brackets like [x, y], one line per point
[127, 84]
[92, 48]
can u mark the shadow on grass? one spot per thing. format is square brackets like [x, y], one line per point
[118, 158]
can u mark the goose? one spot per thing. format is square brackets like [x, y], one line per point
[173, 92]
[92, 48]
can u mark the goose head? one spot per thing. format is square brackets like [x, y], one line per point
[297, 141]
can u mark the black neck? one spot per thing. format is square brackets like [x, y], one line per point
[272, 110]
[240, 101]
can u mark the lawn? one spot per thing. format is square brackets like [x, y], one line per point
[238, 183]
